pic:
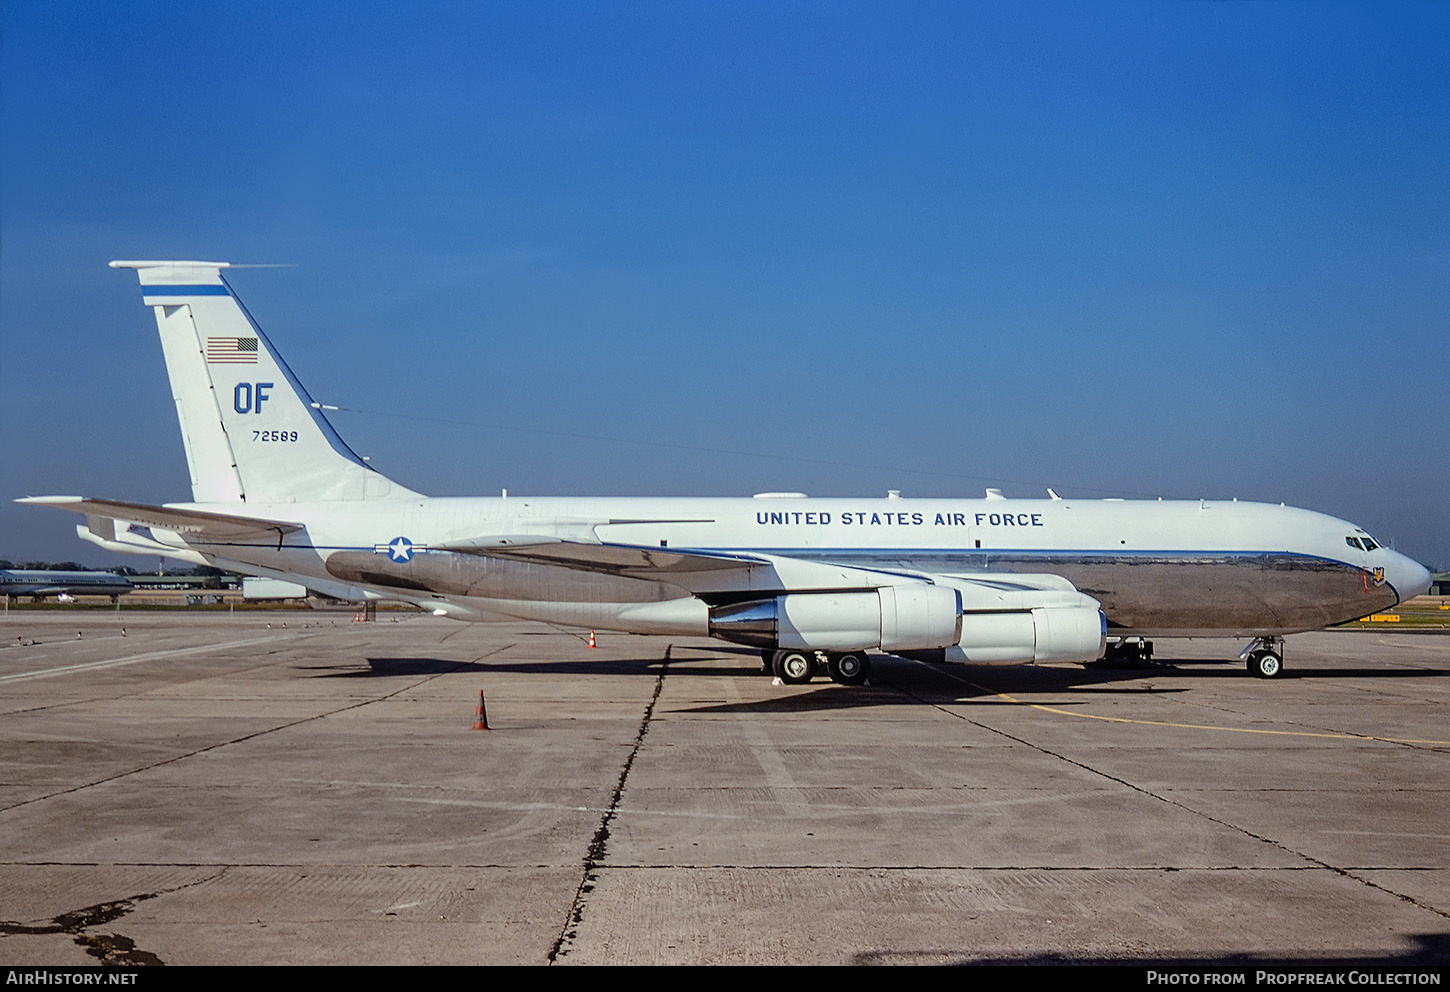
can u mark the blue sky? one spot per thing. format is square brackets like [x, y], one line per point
[1158, 249]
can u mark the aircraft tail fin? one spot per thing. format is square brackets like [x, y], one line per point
[252, 433]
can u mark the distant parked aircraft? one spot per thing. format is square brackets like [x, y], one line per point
[40, 583]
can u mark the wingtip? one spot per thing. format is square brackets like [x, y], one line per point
[51, 500]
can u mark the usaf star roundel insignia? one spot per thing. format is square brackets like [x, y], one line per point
[399, 549]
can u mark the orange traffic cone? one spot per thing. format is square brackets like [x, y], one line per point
[482, 722]
[591, 640]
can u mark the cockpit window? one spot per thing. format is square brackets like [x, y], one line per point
[1353, 542]
[1369, 544]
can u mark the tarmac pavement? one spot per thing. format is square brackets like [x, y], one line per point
[291, 787]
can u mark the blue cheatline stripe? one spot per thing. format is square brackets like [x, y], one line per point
[184, 291]
[843, 555]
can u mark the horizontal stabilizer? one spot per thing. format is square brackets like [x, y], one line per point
[204, 524]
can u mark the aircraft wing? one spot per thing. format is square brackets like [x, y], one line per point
[206, 525]
[615, 559]
[699, 572]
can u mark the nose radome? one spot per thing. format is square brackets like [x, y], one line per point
[1408, 576]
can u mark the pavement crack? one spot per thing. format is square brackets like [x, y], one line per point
[108, 948]
[1192, 811]
[595, 854]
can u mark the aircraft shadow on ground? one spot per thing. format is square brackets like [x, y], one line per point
[893, 681]
[896, 681]
[396, 667]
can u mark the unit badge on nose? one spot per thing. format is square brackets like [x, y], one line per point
[399, 549]
[1379, 575]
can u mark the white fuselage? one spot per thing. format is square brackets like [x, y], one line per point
[1160, 568]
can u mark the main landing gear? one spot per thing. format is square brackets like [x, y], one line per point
[1128, 653]
[799, 667]
[1264, 657]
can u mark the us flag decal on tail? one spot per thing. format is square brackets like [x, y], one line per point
[231, 351]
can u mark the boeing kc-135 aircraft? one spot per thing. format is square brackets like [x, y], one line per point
[276, 492]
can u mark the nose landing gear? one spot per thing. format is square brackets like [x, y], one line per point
[1264, 657]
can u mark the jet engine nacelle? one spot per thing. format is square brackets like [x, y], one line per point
[1046, 633]
[892, 618]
